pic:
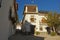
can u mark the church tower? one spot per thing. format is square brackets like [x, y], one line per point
[30, 9]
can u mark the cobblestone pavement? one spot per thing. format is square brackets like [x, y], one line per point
[49, 37]
[25, 37]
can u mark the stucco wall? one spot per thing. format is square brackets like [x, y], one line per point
[43, 25]
[4, 20]
[37, 21]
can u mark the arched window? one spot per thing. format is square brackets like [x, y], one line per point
[41, 28]
[32, 19]
[43, 20]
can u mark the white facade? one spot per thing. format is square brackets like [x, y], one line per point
[37, 20]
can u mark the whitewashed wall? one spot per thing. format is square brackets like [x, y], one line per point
[44, 25]
[38, 19]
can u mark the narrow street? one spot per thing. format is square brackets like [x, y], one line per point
[20, 36]
[43, 36]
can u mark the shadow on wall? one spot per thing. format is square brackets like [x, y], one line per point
[12, 21]
[28, 28]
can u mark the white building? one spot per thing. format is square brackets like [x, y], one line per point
[34, 18]
[18, 26]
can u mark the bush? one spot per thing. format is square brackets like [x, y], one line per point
[53, 33]
[37, 33]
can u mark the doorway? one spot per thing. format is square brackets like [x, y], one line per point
[32, 27]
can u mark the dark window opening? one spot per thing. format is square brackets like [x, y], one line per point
[0, 3]
[32, 19]
[41, 28]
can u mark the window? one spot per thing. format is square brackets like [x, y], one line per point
[32, 20]
[16, 6]
[10, 13]
[43, 20]
[12, 16]
[41, 28]
[0, 3]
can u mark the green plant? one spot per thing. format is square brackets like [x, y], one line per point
[53, 20]
[53, 33]
[37, 33]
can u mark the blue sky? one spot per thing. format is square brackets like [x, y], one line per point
[45, 5]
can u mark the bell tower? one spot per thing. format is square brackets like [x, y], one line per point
[30, 9]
